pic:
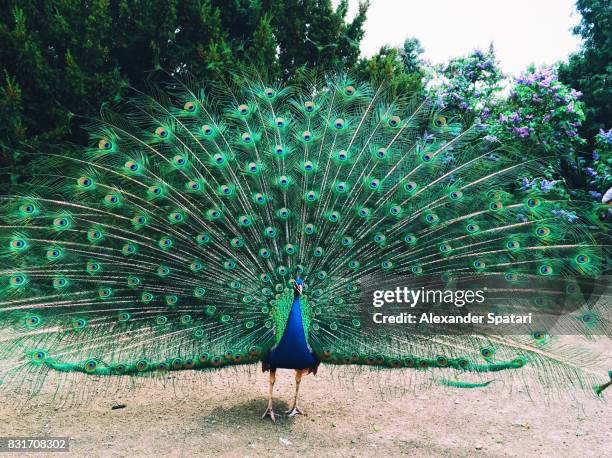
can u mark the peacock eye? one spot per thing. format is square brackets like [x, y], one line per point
[307, 136]
[105, 144]
[309, 106]
[439, 121]
[161, 132]
[339, 123]
[243, 109]
[189, 106]
[207, 130]
[246, 137]
[269, 92]
[381, 153]
[280, 122]
[349, 90]
[394, 121]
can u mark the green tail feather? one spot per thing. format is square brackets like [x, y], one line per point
[169, 243]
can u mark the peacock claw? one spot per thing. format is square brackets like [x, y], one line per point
[269, 413]
[293, 412]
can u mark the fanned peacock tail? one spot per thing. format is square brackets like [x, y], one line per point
[170, 242]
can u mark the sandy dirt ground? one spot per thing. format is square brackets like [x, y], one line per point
[369, 414]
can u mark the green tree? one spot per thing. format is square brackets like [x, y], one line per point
[400, 68]
[61, 59]
[590, 69]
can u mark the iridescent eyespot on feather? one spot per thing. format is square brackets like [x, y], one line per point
[472, 228]
[105, 144]
[349, 90]
[513, 245]
[269, 92]
[163, 271]
[243, 109]
[85, 182]
[270, 232]
[395, 210]
[128, 249]
[202, 239]
[290, 249]
[582, 259]
[410, 186]
[374, 184]
[17, 280]
[495, 206]
[139, 221]
[342, 156]
[237, 242]
[147, 297]
[112, 200]
[364, 212]
[339, 123]
[311, 196]
[283, 213]
[213, 214]
[431, 218]
[456, 195]
[18, 244]
[165, 243]
[306, 136]
[542, 231]
[427, 157]
[280, 121]
[132, 166]
[54, 253]
[318, 252]
[533, 202]
[487, 353]
[28, 209]
[247, 138]
[39, 356]
[445, 248]
[386, 265]
[95, 235]
[60, 282]
[91, 365]
[439, 121]
[545, 270]
[264, 253]
[190, 107]
[230, 265]
[161, 320]
[32, 321]
[142, 365]
[416, 269]
[394, 121]
[207, 130]
[479, 264]
[196, 266]
[124, 317]
[93, 267]
[61, 223]
[78, 324]
[309, 106]
[162, 132]
[180, 161]
[410, 239]
[176, 217]
[381, 153]
[353, 264]
[260, 198]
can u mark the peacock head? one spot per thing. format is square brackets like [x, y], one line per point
[298, 286]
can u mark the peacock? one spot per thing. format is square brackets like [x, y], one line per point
[209, 225]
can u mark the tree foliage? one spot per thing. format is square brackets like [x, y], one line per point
[61, 59]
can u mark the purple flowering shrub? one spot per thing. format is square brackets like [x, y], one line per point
[468, 84]
[596, 167]
[541, 111]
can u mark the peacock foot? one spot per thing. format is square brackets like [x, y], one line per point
[295, 411]
[269, 413]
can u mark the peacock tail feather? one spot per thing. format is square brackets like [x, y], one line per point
[168, 243]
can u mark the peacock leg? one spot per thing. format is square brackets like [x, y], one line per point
[295, 410]
[269, 411]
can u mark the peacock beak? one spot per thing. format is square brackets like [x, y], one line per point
[298, 288]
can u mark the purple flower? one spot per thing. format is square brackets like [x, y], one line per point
[490, 138]
[526, 184]
[570, 106]
[547, 185]
[521, 131]
[514, 117]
